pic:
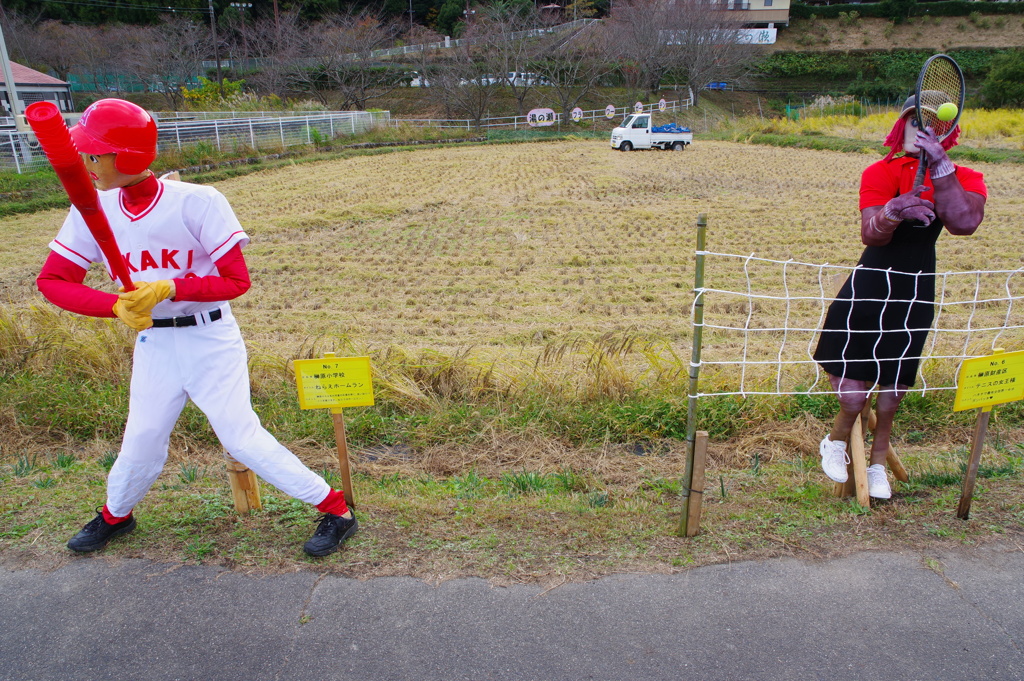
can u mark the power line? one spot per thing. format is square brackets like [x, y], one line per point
[116, 5]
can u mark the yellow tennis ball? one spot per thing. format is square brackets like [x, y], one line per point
[947, 111]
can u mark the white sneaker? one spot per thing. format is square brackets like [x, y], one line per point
[834, 459]
[878, 482]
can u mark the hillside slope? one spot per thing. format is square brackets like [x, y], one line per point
[938, 33]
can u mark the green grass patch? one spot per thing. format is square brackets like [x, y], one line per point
[521, 525]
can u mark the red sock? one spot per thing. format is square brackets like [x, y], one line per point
[334, 503]
[112, 519]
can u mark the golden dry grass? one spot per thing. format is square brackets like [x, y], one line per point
[495, 258]
[980, 128]
[495, 252]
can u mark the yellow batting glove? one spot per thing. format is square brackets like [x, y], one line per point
[146, 295]
[138, 321]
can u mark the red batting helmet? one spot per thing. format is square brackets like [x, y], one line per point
[120, 127]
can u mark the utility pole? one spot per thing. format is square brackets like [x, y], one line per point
[216, 48]
[12, 90]
[277, 23]
[242, 8]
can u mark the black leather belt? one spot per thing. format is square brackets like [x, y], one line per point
[189, 320]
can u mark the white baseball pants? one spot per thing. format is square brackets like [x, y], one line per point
[209, 365]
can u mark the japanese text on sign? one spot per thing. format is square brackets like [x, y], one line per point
[540, 117]
[986, 381]
[334, 382]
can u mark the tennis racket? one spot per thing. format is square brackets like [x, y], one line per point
[940, 82]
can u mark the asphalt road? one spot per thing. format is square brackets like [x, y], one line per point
[878, 615]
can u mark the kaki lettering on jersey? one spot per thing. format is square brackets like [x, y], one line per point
[168, 260]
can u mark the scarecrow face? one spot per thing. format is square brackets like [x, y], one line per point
[105, 175]
[910, 136]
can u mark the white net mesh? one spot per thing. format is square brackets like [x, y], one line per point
[762, 320]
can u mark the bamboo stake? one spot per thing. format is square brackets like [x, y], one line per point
[895, 465]
[698, 333]
[696, 502]
[341, 438]
[245, 487]
[963, 511]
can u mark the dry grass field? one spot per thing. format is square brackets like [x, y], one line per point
[496, 252]
[498, 256]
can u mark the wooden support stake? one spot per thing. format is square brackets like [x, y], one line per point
[895, 465]
[245, 487]
[963, 511]
[857, 482]
[700, 451]
[343, 463]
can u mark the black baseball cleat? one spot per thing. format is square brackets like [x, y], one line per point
[98, 532]
[331, 533]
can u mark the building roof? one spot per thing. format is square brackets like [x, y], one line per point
[23, 75]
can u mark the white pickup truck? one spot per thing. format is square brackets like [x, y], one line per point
[636, 133]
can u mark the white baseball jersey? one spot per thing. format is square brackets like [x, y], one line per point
[182, 233]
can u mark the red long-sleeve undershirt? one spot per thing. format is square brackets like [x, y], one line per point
[60, 282]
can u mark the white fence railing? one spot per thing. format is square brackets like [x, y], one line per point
[20, 152]
[269, 132]
[226, 131]
[516, 122]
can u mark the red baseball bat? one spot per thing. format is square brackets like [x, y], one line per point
[55, 139]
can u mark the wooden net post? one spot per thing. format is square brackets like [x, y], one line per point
[857, 482]
[245, 487]
[691, 407]
[700, 451]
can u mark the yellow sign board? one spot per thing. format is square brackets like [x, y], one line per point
[986, 381]
[334, 382]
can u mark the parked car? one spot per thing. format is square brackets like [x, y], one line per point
[486, 79]
[520, 79]
[418, 81]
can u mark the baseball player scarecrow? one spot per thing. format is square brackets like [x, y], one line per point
[183, 246]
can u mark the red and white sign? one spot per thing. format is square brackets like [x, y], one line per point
[576, 115]
[609, 111]
[540, 117]
[638, 107]
[662, 105]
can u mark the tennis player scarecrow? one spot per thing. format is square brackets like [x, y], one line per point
[183, 247]
[876, 328]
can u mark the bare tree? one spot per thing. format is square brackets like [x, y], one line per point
[167, 57]
[636, 42]
[574, 63]
[695, 39]
[276, 46]
[707, 43]
[504, 41]
[56, 40]
[460, 83]
[20, 34]
[98, 48]
[338, 62]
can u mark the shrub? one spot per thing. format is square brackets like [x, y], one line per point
[1004, 85]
